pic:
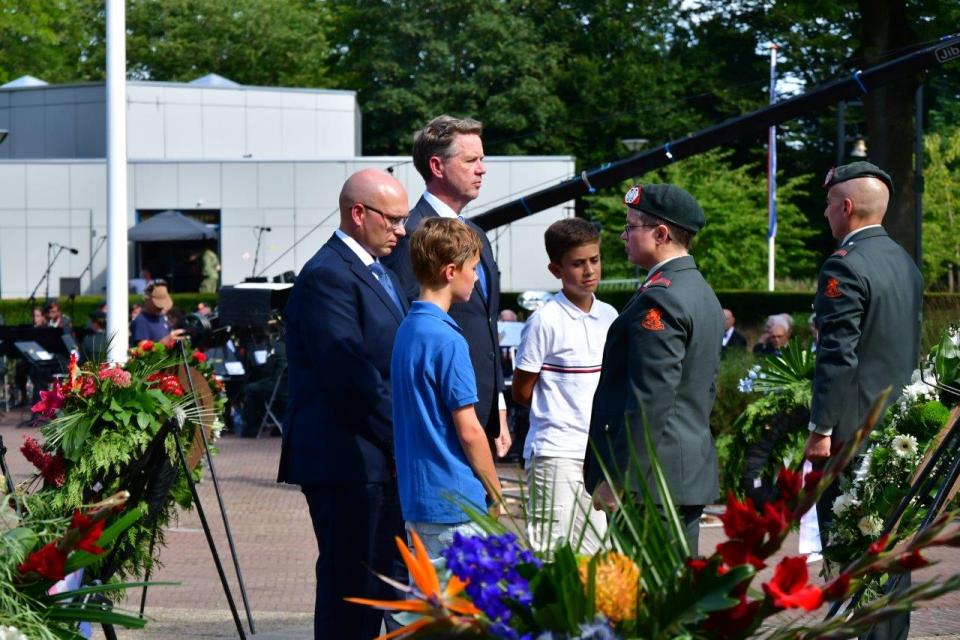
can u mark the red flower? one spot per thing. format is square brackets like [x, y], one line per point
[837, 589]
[812, 479]
[116, 375]
[90, 531]
[51, 467]
[199, 356]
[912, 560]
[50, 401]
[789, 483]
[88, 387]
[742, 522]
[879, 546]
[736, 553]
[789, 588]
[776, 518]
[697, 565]
[145, 345]
[733, 621]
[49, 562]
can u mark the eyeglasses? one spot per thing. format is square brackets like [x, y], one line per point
[628, 227]
[395, 222]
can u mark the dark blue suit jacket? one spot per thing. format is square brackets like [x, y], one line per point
[477, 317]
[340, 325]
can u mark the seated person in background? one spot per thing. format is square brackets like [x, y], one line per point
[152, 322]
[775, 337]
[256, 394]
[94, 345]
[731, 337]
[203, 309]
[442, 454]
[56, 319]
[20, 373]
[508, 315]
[558, 369]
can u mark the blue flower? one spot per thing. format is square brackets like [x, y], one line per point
[490, 563]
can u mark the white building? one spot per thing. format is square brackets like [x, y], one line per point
[234, 157]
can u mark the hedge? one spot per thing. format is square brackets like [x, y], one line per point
[18, 310]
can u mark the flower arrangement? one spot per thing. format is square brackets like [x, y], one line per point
[645, 585]
[774, 421]
[104, 434]
[881, 476]
[36, 555]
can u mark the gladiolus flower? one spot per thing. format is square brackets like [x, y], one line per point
[789, 588]
[838, 588]
[912, 560]
[879, 546]
[616, 584]
[789, 482]
[733, 621]
[90, 532]
[49, 562]
[742, 522]
[199, 356]
[736, 553]
[811, 480]
[776, 518]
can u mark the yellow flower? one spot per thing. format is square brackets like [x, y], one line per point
[617, 583]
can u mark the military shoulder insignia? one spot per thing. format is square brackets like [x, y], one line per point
[840, 252]
[653, 321]
[844, 250]
[633, 195]
[833, 288]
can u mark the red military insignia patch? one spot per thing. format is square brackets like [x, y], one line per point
[833, 288]
[829, 177]
[633, 195]
[653, 320]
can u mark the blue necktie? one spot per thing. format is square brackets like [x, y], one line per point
[481, 272]
[384, 279]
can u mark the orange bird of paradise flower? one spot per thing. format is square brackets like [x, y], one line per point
[429, 601]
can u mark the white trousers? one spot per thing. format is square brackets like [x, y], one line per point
[559, 508]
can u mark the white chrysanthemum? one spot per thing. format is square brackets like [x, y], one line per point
[11, 633]
[843, 502]
[904, 446]
[917, 390]
[870, 526]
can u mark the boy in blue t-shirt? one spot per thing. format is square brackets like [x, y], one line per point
[441, 450]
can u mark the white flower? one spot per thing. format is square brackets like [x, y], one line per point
[870, 526]
[843, 502]
[11, 633]
[904, 446]
[217, 427]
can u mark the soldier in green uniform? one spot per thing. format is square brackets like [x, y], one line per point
[868, 310]
[660, 362]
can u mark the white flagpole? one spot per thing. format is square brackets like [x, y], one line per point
[117, 321]
[772, 177]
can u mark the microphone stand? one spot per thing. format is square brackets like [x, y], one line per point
[256, 254]
[89, 267]
[46, 274]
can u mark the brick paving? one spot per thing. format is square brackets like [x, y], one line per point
[277, 551]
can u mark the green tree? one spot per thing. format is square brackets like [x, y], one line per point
[411, 61]
[941, 212]
[42, 39]
[731, 249]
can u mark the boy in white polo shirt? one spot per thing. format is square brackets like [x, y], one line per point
[556, 375]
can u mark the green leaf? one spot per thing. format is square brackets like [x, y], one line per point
[75, 593]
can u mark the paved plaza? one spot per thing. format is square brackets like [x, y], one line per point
[277, 552]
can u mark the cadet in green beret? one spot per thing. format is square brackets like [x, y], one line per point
[868, 310]
[660, 362]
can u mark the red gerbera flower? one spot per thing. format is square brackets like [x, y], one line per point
[789, 588]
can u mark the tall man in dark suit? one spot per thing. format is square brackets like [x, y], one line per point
[660, 363]
[448, 153]
[343, 313]
[868, 311]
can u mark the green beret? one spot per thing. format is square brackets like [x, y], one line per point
[668, 202]
[857, 170]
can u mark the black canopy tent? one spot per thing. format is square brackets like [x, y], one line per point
[168, 244]
[170, 226]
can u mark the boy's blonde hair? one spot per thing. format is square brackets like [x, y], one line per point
[438, 242]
